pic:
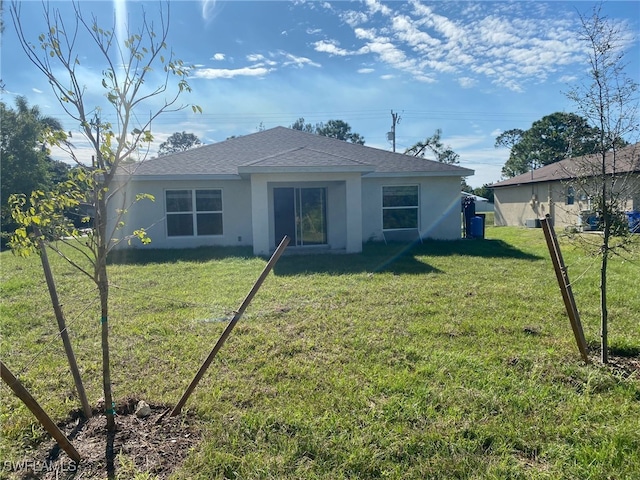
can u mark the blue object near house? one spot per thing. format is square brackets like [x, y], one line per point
[477, 227]
[634, 221]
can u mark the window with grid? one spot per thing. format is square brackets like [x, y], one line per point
[400, 206]
[193, 212]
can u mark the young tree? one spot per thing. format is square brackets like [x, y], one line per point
[608, 99]
[179, 142]
[434, 143]
[129, 85]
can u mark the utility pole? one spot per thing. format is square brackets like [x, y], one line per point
[395, 119]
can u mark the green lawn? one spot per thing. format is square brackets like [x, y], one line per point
[448, 360]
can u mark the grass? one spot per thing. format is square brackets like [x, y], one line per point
[446, 360]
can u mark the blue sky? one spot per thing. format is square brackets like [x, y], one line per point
[472, 69]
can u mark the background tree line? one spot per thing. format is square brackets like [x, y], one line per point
[554, 137]
[26, 158]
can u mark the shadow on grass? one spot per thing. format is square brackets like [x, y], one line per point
[398, 258]
[624, 350]
[394, 258]
[146, 256]
[473, 248]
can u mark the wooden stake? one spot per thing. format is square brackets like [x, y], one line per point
[62, 327]
[227, 331]
[40, 414]
[565, 286]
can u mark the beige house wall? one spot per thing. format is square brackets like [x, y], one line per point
[516, 204]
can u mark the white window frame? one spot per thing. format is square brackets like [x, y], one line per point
[194, 212]
[402, 207]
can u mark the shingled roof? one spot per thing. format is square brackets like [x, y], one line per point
[627, 161]
[284, 149]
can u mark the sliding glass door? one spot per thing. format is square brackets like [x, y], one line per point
[300, 213]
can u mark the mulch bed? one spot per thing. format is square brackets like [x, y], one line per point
[156, 444]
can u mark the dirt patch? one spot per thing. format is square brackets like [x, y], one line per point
[156, 444]
[626, 366]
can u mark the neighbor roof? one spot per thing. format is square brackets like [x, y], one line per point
[284, 149]
[626, 160]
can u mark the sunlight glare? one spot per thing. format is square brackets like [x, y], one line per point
[208, 7]
[120, 8]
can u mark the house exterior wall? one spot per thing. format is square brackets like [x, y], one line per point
[514, 205]
[150, 215]
[439, 206]
[354, 209]
[634, 199]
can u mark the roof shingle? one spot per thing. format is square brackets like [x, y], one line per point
[282, 147]
[626, 160]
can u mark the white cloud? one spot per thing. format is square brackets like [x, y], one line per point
[260, 60]
[218, 57]
[377, 7]
[568, 78]
[331, 47]
[510, 45]
[294, 60]
[366, 70]
[35, 90]
[261, 66]
[214, 73]
[467, 82]
[353, 18]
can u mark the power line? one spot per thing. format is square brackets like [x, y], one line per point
[290, 116]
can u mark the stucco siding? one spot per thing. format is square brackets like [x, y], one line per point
[150, 215]
[353, 209]
[439, 206]
[514, 205]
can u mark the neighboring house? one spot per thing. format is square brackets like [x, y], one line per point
[565, 190]
[324, 193]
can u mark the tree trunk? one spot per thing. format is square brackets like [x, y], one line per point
[106, 370]
[604, 316]
[103, 287]
[604, 341]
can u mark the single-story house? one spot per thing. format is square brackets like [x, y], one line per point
[324, 193]
[565, 190]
